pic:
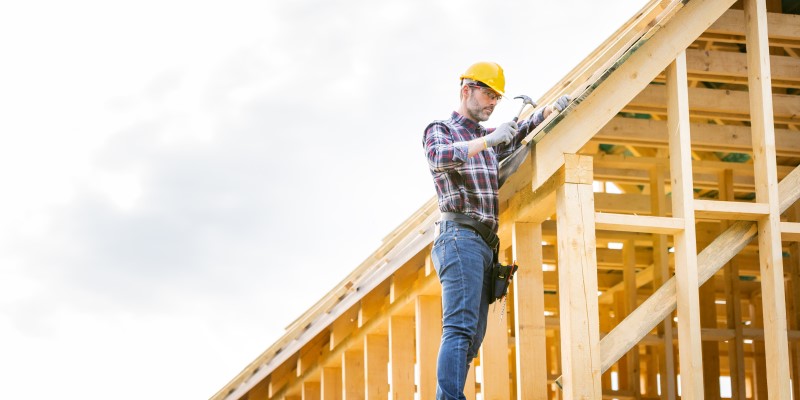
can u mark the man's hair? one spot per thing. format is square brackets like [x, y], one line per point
[467, 82]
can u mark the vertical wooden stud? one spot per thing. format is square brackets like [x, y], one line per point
[529, 328]
[429, 333]
[760, 367]
[331, 383]
[733, 305]
[401, 356]
[577, 275]
[494, 354]
[310, 391]
[708, 319]
[629, 277]
[690, 347]
[766, 182]
[353, 375]
[794, 267]
[658, 206]
[376, 367]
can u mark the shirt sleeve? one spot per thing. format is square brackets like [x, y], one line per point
[442, 153]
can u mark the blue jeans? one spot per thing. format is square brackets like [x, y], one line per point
[462, 260]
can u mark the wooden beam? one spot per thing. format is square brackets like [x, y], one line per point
[730, 67]
[715, 103]
[733, 306]
[494, 355]
[783, 29]
[761, 382]
[634, 74]
[710, 260]
[732, 210]
[259, 391]
[794, 301]
[343, 326]
[690, 346]
[705, 137]
[638, 223]
[401, 341]
[710, 348]
[631, 295]
[578, 280]
[790, 231]
[661, 273]
[376, 367]
[331, 383]
[769, 233]
[310, 391]
[429, 333]
[353, 375]
[529, 325]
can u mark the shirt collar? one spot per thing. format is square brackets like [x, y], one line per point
[466, 122]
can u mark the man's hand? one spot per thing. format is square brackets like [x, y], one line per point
[558, 106]
[503, 134]
[561, 103]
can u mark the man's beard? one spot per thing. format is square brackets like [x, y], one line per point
[476, 112]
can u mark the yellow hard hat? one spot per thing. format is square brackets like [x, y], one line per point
[489, 73]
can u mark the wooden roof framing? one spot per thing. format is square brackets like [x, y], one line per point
[619, 127]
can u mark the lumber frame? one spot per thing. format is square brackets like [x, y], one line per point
[794, 301]
[376, 367]
[769, 242]
[710, 260]
[689, 342]
[705, 137]
[331, 383]
[353, 375]
[631, 294]
[529, 323]
[311, 391]
[401, 339]
[666, 360]
[733, 306]
[632, 76]
[494, 354]
[429, 333]
[577, 273]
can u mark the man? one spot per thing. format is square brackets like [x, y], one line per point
[463, 158]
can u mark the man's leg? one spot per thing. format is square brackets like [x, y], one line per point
[459, 257]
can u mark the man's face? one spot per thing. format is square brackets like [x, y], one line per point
[481, 102]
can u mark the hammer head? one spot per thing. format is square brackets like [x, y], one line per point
[526, 100]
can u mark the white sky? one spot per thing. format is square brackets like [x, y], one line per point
[181, 180]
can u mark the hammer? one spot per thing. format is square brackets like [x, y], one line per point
[525, 100]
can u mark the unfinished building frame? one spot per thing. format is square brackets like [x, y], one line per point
[655, 221]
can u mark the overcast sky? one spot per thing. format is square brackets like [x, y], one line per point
[181, 180]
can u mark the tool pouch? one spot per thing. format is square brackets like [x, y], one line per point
[501, 278]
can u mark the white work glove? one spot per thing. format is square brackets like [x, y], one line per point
[561, 103]
[503, 134]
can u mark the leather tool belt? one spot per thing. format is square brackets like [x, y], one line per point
[501, 274]
[488, 236]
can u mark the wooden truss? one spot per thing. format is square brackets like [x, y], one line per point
[656, 223]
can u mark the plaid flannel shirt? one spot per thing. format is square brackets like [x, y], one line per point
[468, 185]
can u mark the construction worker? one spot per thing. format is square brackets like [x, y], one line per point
[463, 158]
